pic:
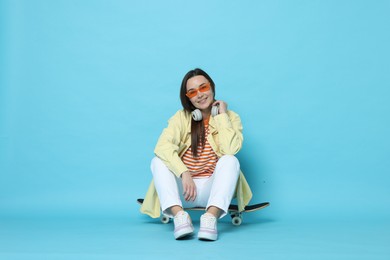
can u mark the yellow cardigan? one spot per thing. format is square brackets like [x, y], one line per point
[225, 137]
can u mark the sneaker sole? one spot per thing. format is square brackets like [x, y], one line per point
[204, 235]
[184, 232]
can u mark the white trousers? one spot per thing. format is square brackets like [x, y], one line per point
[217, 190]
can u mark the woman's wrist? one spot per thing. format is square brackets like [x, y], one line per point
[184, 174]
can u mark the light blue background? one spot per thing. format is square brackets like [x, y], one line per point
[88, 86]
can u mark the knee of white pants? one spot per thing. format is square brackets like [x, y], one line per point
[230, 161]
[156, 163]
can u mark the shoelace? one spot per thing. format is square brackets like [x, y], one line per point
[181, 219]
[208, 222]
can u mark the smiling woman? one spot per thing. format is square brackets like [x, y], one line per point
[195, 164]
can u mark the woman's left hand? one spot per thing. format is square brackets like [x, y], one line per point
[222, 106]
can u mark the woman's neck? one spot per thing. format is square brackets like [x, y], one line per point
[206, 112]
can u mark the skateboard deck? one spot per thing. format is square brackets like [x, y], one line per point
[233, 211]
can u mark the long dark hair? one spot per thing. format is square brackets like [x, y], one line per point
[197, 127]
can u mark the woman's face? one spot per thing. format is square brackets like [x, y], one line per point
[202, 100]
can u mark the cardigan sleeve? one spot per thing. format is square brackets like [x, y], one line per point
[168, 144]
[230, 132]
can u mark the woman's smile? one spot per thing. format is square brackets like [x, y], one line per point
[202, 101]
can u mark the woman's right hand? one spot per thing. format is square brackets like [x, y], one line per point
[189, 188]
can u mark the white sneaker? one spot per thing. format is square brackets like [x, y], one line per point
[183, 225]
[208, 227]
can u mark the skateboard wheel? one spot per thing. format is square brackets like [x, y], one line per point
[237, 220]
[164, 219]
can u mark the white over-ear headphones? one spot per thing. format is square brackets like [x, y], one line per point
[197, 115]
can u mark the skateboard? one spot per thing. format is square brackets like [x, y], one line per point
[232, 211]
